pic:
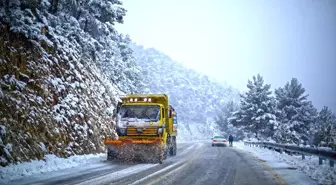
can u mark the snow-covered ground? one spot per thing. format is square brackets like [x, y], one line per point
[281, 163]
[50, 164]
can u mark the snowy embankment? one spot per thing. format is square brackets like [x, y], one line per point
[323, 174]
[49, 164]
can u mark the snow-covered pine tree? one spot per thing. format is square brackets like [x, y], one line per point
[87, 25]
[120, 67]
[225, 112]
[257, 109]
[110, 49]
[296, 114]
[325, 133]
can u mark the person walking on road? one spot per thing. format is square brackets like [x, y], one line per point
[231, 140]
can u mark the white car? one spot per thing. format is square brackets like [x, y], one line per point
[219, 141]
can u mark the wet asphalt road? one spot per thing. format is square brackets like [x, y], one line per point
[195, 163]
[217, 166]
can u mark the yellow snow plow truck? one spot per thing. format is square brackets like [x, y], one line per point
[146, 128]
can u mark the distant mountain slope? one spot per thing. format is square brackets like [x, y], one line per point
[192, 94]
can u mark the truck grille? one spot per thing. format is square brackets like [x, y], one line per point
[147, 131]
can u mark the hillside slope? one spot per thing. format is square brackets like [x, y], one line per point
[54, 97]
[193, 95]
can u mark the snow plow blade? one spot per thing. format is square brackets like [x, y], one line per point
[138, 141]
[131, 150]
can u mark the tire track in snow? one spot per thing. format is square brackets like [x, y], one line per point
[175, 166]
[169, 163]
[127, 176]
[106, 179]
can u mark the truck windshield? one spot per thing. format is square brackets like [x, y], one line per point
[146, 112]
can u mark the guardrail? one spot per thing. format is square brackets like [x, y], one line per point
[321, 153]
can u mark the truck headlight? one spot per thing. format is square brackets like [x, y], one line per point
[139, 130]
[160, 131]
[122, 131]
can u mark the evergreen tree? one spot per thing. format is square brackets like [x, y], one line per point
[296, 114]
[225, 112]
[84, 27]
[257, 109]
[325, 134]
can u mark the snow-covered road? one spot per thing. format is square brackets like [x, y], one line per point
[195, 163]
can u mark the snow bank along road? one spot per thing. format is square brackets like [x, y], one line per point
[195, 163]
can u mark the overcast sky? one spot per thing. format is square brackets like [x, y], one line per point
[233, 40]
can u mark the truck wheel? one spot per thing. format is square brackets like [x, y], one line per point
[111, 154]
[162, 155]
[165, 155]
[174, 147]
[170, 146]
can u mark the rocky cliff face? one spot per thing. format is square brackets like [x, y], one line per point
[51, 100]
